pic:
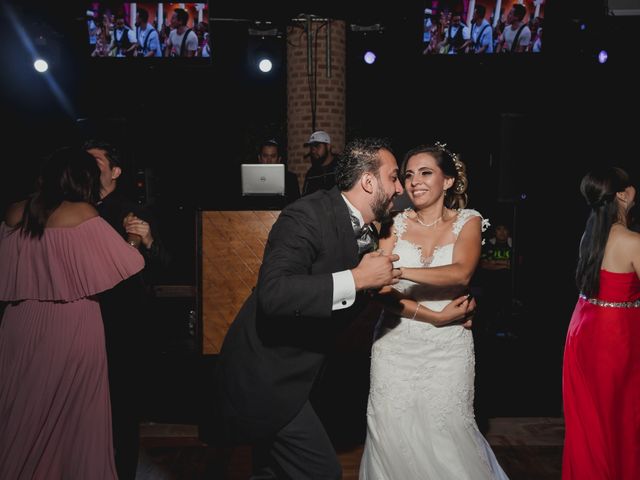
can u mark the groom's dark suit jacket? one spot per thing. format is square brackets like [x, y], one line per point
[276, 346]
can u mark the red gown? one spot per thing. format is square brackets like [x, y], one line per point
[601, 384]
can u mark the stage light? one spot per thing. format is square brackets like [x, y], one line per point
[40, 65]
[368, 43]
[583, 26]
[602, 56]
[265, 65]
[266, 49]
[369, 57]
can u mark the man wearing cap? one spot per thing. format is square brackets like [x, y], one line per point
[321, 175]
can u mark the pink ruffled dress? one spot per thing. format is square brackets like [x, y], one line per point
[55, 415]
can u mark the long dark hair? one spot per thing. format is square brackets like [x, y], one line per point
[69, 174]
[451, 166]
[599, 188]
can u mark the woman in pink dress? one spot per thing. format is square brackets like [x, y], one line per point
[56, 254]
[601, 372]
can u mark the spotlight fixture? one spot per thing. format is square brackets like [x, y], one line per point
[369, 57]
[40, 65]
[264, 29]
[265, 65]
[603, 56]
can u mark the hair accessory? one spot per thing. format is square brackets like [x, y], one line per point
[454, 156]
[460, 185]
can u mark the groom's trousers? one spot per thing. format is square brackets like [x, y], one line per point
[300, 450]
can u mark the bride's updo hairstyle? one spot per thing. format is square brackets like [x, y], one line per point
[452, 167]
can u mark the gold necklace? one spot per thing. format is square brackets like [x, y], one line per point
[419, 219]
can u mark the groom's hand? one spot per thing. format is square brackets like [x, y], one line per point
[375, 270]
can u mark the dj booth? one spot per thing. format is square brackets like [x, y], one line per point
[229, 249]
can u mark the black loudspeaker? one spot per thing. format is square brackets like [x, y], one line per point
[514, 152]
[146, 186]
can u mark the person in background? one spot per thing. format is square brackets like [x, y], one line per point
[123, 41]
[182, 41]
[481, 31]
[269, 152]
[601, 368]
[202, 32]
[457, 36]
[103, 38]
[92, 29]
[206, 48]
[148, 38]
[496, 282]
[124, 307]
[321, 174]
[516, 36]
[56, 255]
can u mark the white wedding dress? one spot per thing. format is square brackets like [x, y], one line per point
[420, 421]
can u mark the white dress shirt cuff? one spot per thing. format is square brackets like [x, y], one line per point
[344, 290]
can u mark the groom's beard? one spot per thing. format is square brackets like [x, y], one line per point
[381, 206]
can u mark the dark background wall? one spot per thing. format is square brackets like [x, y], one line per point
[528, 127]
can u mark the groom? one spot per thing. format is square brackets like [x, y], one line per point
[311, 284]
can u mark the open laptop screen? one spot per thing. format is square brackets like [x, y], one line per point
[262, 179]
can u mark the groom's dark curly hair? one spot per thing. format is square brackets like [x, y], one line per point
[360, 156]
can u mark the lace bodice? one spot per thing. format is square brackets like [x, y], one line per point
[411, 255]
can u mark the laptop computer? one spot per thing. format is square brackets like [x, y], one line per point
[262, 179]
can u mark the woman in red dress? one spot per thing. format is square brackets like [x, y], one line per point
[601, 371]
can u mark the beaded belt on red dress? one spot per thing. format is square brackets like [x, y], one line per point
[604, 303]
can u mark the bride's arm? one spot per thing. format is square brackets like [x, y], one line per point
[458, 310]
[466, 254]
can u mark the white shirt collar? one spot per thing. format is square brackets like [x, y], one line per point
[353, 210]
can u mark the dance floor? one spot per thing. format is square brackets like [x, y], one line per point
[528, 448]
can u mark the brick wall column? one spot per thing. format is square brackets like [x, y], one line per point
[329, 92]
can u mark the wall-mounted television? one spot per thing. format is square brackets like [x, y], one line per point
[471, 27]
[148, 30]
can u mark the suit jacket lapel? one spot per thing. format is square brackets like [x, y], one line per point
[344, 229]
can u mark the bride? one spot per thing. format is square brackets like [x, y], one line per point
[420, 422]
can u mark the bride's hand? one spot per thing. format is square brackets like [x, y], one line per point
[386, 290]
[458, 310]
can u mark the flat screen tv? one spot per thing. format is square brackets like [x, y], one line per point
[472, 27]
[148, 30]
